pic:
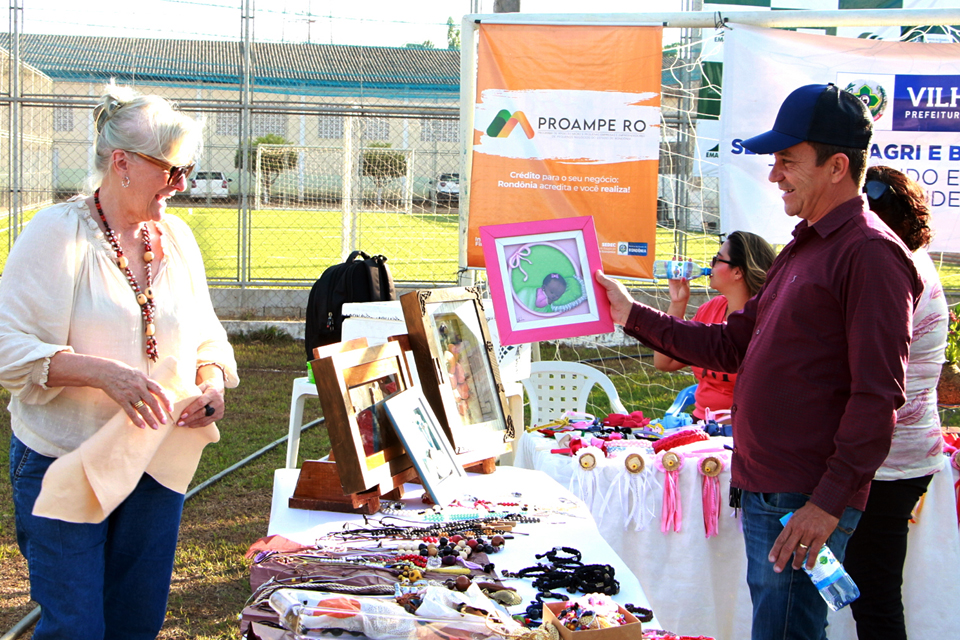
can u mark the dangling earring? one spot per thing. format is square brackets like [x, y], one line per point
[125, 182]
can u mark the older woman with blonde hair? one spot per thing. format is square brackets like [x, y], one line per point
[95, 292]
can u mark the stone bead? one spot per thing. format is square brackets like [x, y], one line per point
[122, 262]
[463, 583]
[148, 256]
[150, 329]
[432, 551]
[497, 540]
[149, 293]
[141, 299]
[449, 560]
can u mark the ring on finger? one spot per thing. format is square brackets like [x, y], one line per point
[803, 546]
[209, 410]
[138, 404]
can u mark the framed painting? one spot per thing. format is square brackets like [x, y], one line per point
[458, 369]
[541, 280]
[427, 445]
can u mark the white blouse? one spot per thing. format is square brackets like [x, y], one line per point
[917, 442]
[61, 290]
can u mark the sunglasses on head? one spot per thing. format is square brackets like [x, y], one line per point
[875, 189]
[176, 172]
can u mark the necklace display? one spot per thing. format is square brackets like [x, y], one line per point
[145, 297]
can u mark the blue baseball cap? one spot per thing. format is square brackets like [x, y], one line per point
[817, 113]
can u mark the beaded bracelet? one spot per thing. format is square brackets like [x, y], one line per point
[575, 556]
[214, 364]
[643, 615]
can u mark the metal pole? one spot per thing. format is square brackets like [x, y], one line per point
[246, 129]
[15, 138]
[800, 19]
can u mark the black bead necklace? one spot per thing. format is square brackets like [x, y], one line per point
[145, 297]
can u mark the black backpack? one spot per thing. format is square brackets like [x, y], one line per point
[359, 279]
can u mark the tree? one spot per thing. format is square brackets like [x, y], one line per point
[453, 35]
[383, 165]
[273, 161]
[426, 44]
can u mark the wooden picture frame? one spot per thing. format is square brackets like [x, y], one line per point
[348, 384]
[458, 370]
[541, 280]
[427, 445]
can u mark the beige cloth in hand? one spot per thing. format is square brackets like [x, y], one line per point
[87, 484]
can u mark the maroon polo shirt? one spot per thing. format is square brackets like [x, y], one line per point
[820, 355]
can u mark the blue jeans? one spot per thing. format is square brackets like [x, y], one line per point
[786, 606]
[97, 581]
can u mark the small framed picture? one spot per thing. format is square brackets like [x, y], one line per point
[426, 445]
[541, 280]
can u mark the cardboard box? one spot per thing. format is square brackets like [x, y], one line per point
[624, 632]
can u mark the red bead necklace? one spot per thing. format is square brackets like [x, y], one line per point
[145, 297]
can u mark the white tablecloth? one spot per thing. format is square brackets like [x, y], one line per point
[571, 527]
[698, 585]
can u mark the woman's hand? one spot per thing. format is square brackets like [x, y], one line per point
[679, 293]
[143, 400]
[209, 407]
[206, 409]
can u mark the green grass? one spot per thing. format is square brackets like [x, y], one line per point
[294, 245]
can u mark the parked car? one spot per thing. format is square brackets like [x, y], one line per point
[446, 188]
[211, 184]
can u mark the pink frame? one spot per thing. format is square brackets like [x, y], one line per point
[500, 244]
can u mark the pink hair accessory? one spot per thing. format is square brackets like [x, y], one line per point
[710, 467]
[671, 515]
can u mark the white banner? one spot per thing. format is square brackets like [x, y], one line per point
[912, 89]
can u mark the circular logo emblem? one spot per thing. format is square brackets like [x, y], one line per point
[871, 94]
[622, 249]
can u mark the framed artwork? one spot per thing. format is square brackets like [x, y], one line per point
[458, 369]
[427, 445]
[352, 387]
[541, 280]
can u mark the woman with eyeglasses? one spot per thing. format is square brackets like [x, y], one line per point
[95, 293]
[877, 550]
[738, 271]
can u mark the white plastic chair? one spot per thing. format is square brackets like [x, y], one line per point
[555, 387]
[302, 389]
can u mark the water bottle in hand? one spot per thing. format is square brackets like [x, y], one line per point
[830, 578]
[678, 269]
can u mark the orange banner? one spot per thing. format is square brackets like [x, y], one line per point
[567, 123]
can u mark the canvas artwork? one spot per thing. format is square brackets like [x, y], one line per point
[426, 445]
[541, 279]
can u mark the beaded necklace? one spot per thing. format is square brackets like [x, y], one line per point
[145, 297]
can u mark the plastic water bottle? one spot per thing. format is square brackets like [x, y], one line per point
[830, 578]
[678, 269]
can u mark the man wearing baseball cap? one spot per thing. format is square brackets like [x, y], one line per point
[821, 353]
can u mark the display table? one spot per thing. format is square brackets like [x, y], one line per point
[701, 586]
[571, 527]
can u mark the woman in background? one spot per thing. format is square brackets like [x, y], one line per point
[739, 270]
[877, 549]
